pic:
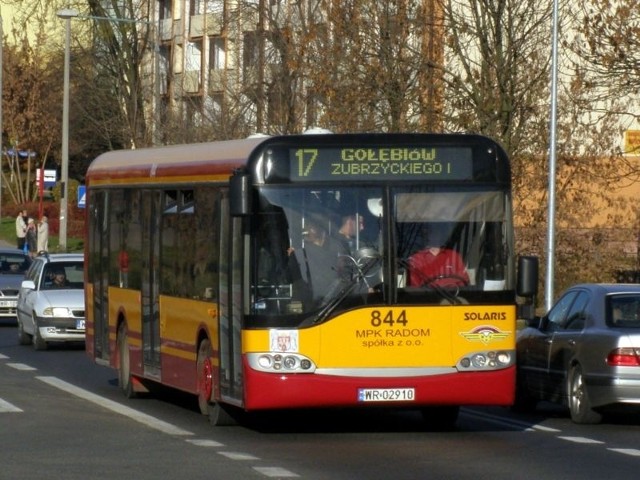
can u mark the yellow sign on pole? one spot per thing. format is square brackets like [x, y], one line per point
[632, 142]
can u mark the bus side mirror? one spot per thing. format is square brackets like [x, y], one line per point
[527, 276]
[239, 195]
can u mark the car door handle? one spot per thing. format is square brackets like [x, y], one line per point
[572, 343]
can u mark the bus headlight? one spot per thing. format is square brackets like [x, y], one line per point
[486, 360]
[265, 361]
[290, 362]
[277, 362]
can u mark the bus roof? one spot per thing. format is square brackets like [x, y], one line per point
[216, 161]
[192, 160]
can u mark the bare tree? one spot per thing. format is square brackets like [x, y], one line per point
[373, 69]
[608, 41]
[30, 126]
[497, 75]
[124, 40]
[358, 65]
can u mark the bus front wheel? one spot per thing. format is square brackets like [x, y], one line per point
[221, 415]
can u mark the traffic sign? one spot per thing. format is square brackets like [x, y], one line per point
[82, 194]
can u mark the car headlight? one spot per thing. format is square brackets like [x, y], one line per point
[56, 312]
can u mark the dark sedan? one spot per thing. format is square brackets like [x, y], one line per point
[584, 353]
[13, 265]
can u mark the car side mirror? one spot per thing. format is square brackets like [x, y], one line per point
[28, 284]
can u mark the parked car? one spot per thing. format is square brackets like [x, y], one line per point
[584, 353]
[51, 301]
[13, 265]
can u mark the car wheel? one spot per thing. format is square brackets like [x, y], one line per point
[579, 404]
[124, 367]
[204, 372]
[23, 337]
[39, 343]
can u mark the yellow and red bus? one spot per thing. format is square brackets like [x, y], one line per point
[202, 274]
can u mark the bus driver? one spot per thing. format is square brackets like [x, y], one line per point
[437, 265]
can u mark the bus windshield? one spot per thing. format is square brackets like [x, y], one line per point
[317, 251]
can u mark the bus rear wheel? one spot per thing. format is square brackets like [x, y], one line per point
[124, 367]
[204, 376]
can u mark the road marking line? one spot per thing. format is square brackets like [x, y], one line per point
[115, 407]
[275, 472]
[6, 407]
[203, 442]
[21, 366]
[626, 451]
[238, 456]
[3, 357]
[580, 439]
[527, 427]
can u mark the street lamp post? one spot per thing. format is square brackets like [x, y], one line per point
[66, 14]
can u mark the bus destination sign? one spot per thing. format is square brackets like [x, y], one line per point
[377, 163]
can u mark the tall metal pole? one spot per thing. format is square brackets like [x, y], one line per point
[67, 15]
[552, 162]
[1, 93]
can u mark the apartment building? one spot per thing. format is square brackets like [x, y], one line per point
[249, 63]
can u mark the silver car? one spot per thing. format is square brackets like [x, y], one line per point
[13, 265]
[584, 353]
[51, 301]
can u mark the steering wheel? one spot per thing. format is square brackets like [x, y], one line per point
[456, 280]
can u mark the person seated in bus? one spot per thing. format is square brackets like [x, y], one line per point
[321, 260]
[348, 233]
[436, 264]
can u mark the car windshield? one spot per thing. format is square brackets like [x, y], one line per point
[623, 311]
[14, 264]
[68, 275]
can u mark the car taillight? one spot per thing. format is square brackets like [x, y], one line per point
[624, 357]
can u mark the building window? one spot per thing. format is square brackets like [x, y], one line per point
[193, 59]
[217, 53]
[250, 50]
[164, 9]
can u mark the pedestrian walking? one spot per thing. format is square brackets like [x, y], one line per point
[43, 235]
[31, 238]
[21, 228]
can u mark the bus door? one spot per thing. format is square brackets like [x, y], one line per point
[99, 248]
[151, 212]
[230, 294]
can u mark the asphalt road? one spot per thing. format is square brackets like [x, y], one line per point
[62, 416]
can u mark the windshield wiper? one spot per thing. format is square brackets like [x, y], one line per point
[363, 261]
